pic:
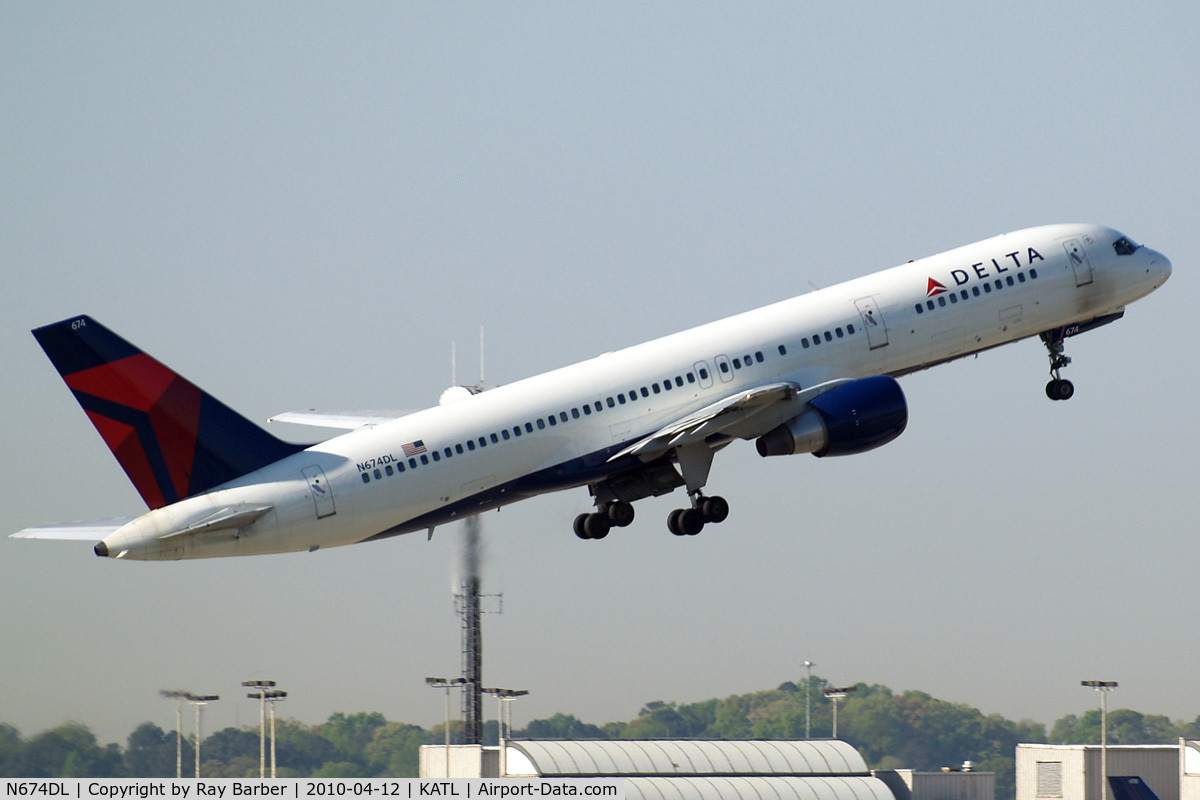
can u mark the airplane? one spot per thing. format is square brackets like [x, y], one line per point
[813, 374]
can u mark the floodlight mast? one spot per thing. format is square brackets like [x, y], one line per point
[808, 665]
[504, 698]
[836, 694]
[179, 697]
[273, 696]
[1103, 687]
[446, 683]
[261, 695]
[199, 701]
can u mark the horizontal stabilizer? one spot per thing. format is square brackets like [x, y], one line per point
[86, 530]
[342, 420]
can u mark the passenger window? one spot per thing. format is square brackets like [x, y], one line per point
[449, 452]
[552, 419]
[987, 288]
[942, 300]
[621, 399]
[782, 350]
[1033, 274]
[724, 366]
[611, 402]
[493, 438]
[1009, 280]
[425, 459]
[1020, 277]
[388, 470]
[574, 413]
[703, 374]
[850, 329]
[839, 333]
[964, 294]
[599, 407]
[929, 304]
[828, 336]
[399, 466]
[999, 285]
[678, 381]
[366, 478]
[737, 363]
[436, 455]
[412, 463]
[458, 449]
[655, 387]
[667, 385]
[953, 297]
[471, 445]
[587, 410]
[804, 342]
[975, 291]
[759, 356]
[528, 428]
[691, 378]
[920, 310]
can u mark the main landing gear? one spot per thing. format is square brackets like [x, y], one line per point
[690, 521]
[597, 525]
[1058, 388]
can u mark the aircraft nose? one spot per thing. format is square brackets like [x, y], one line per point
[1159, 267]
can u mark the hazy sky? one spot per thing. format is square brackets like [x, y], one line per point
[301, 205]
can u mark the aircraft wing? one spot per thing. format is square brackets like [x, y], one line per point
[342, 420]
[743, 415]
[85, 530]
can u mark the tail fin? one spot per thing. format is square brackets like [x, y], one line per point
[172, 439]
[1127, 787]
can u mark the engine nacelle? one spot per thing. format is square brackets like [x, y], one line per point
[853, 418]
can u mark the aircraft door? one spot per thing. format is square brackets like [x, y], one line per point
[322, 492]
[872, 319]
[703, 374]
[1079, 261]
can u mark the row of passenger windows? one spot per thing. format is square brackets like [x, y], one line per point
[828, 336]
[976, 291]
[562, 417]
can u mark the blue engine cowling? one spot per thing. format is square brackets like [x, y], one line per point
[853, 418]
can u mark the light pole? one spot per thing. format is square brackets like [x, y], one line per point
[199, 701]
[1103, 687]
[835, 695]
[808, 665]
[446, 683]
[261, 695]
[273, 696]
[504, 698]
[179, 697]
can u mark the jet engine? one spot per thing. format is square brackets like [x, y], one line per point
[853, 418]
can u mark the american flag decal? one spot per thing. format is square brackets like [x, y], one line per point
[414, 448]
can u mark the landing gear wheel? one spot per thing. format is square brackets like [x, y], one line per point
[1060, 389]
[596, 526]
[620, 513]
[673, 522]
[580, 530]
[690, 521]
[714, 509]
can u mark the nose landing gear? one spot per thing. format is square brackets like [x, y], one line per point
[1058, 388]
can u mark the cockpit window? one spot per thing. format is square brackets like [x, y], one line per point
[1125, 246]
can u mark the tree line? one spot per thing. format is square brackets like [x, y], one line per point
[911, 729]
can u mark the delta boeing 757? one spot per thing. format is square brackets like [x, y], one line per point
[814, 374]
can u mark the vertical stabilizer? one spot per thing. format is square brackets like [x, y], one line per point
[172, 439]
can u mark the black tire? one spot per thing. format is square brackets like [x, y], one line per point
[673, 522]
[620, 514]
[691, 521]
[715, 509]
[596, 526]
[1066, 390]
[580, 530]
[1052, 390]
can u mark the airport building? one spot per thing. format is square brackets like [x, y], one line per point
[1074, 772]
[814, 769]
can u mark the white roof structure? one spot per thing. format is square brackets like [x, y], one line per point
[757, 788]
[678, 757]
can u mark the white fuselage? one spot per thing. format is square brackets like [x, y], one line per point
[351, 488]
